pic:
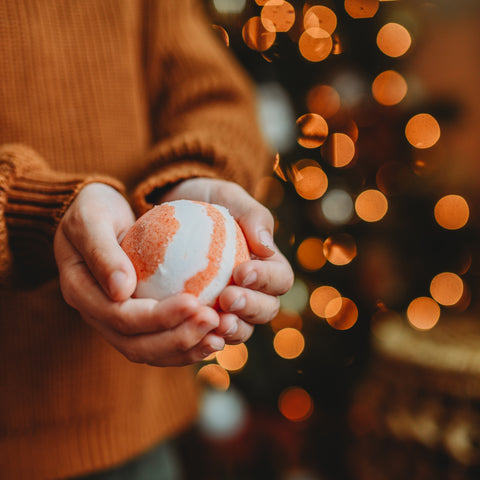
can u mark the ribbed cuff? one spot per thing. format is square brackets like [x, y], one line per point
[33, 199]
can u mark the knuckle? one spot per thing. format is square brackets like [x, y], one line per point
[133, 353]
[183, 344]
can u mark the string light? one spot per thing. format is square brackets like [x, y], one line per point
[452, 212]
[295, 404]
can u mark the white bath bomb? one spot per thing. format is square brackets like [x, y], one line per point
[185, 246]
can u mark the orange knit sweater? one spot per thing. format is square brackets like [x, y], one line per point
[136, 94]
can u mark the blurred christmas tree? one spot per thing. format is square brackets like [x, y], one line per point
[369, 210]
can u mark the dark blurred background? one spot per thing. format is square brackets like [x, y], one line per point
[370, 369]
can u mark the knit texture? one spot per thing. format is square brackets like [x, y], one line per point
[137, 94]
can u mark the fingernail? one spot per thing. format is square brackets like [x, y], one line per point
[217, 343]
[116, 282]
[232, 330]
[238, 304]
[266, 239]
[250, 279]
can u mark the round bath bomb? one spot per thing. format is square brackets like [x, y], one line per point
[185, 246]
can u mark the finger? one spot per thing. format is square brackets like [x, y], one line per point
[190, 342]
[131, 317]
[94, 236]
[272, 276]
[249, 305]
[233, 329]
[255, 220]
[210, 344]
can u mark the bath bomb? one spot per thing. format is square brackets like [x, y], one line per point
[185, 246]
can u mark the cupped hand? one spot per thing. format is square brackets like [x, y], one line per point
[253, 299]
[98, 279]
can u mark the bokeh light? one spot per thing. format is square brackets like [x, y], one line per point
[296, 299]
[256, 36]
[389, 88]
[229, 6]
[233, 357]
[320, 16]
[447, 288]
[321, 298]
[452, 212]
[422, 131]
[323, 100]
[289, 343]
[313, 130]
[371, 205]
[339, 150]
[315, 44]
[337, 206]
[295, 404]
[310, 182]
[222, 33]
[361, 8]
[215, 376]
[278, 15]
[423, 313]
[310, 254]
[394, 40]
[346, 316]
[340, 249]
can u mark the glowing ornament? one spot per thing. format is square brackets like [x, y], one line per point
[185, 247]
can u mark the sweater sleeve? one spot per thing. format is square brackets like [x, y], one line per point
[33, 199]
[203, 108]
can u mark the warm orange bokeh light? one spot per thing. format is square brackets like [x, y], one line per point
[452, 212]
[422, 131]
[321, 298]
[289, 343]
[286, 318]
[269, 191]
[310, 254]
[233, 357]
[347, 314]
[423, 313]
[315, 44]
[214, 375]
[447, 288]
[339, 150]
[222, 33]
[393, 39]
[389, 88]
[371, 205]
[311, 182]
[324, 100]
[340, 249]
[278, 15]
[295, 404]
[320, 16]
[361, 8]
[313, 130]
[256, 36]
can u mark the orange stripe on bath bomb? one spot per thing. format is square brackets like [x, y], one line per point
[200, 280]
[147, 241]
[242, 253]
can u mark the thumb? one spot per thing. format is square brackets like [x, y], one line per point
[257, 224]
[107, 261]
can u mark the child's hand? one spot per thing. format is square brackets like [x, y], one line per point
[98, 279]
[258, 283]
